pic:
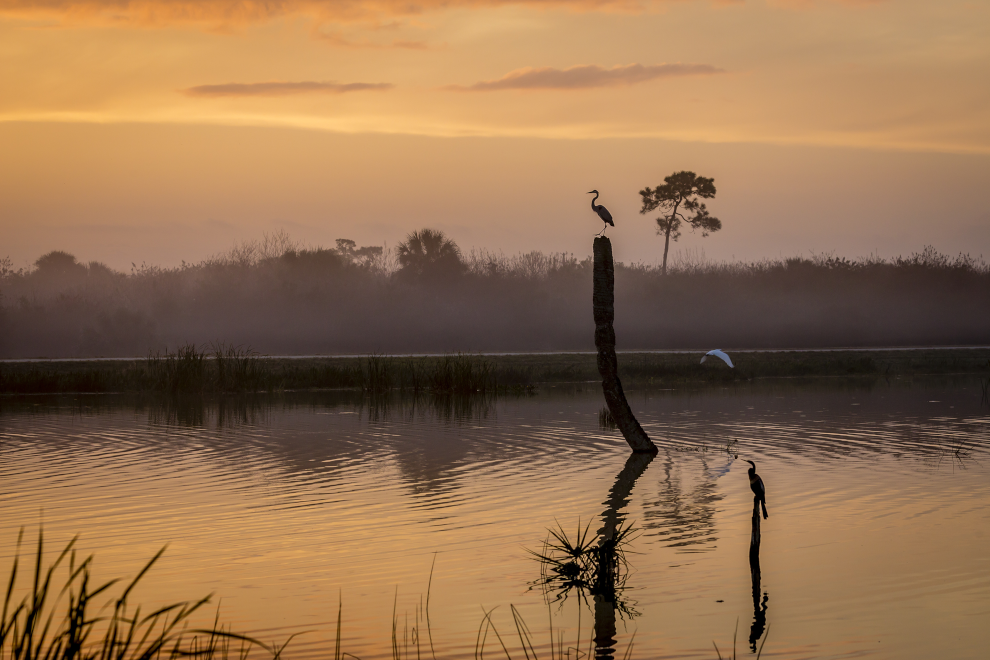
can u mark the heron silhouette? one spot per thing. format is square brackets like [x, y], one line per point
[756, 484]
[601, 211]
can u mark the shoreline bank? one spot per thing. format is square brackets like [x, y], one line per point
[192, 371]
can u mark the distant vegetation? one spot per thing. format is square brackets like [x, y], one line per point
[451, 379]
[428, 296]
[224, 369]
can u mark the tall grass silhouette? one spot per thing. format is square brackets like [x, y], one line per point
[82, 620]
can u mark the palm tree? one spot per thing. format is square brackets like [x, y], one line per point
[428, 252]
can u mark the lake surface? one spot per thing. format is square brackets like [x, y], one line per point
[878, 541]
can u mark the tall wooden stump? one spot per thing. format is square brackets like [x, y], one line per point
[754, 537]
[608, 365]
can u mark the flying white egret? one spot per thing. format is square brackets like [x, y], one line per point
[601, 211]
[719, 354]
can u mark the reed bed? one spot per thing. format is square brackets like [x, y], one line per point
[219, 368]
[605, 420]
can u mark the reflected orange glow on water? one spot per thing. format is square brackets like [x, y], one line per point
[875, 543]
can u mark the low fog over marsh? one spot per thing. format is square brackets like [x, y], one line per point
[427, 296]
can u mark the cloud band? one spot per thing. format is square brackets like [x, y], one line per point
[586, 77]
[282, 88]
[239, 12]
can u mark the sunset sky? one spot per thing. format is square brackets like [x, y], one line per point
[163, 130]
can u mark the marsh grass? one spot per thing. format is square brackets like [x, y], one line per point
[605, 420]
[444, 375]
[734, 635]
[559, 646]
[460, 374]
[220, 368]
[216, 368]
[412, 637]
[379, 372]
[182, 371]
[82, 621]
[239, 370]
[47, 378]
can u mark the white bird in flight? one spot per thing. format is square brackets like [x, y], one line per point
[719, 354]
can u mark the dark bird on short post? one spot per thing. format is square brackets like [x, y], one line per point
[756, 484]
[601, 211]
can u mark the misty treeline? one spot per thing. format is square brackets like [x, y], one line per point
[278, 297]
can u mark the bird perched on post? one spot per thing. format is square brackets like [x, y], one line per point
[756, 484]
[601, 211]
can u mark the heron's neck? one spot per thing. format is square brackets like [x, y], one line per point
[593, 200]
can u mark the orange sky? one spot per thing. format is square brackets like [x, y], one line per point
[163, 130]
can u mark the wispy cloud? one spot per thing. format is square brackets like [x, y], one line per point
[344, 42]
[586, 77]
[814, 4]
[229, 14]
[282, 88]
[224, 15]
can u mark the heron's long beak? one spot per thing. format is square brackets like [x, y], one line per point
[590, 191]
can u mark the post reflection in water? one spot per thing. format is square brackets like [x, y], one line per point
[759, 608]
[596, 568]
[606, 600]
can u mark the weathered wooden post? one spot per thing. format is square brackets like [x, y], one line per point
[754, 537]
[608, 364]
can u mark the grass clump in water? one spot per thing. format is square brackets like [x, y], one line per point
[459, 374]
[220, 368]
[239, 370]
[584, 565]
[181, 371]
[605, 420]
[380, 376]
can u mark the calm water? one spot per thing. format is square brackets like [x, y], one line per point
[876, 545]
